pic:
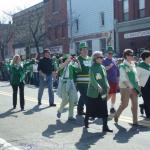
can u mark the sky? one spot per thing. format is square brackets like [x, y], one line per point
[11, 6]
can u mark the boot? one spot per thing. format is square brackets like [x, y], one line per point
[106, 129]
[86, 122]
[105, 126]
[141, 108]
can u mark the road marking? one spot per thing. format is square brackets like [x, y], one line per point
[5, 145]
[121, 118]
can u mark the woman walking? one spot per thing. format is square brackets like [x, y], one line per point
[128, 84]
[97, 92]
[68, 92]
[143, 71]
[17, 76]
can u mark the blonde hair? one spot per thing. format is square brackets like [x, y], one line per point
[15, 58]
[95, 55]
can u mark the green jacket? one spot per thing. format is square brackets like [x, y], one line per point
[17, 73]
[98, 76]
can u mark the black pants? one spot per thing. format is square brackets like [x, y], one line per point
[82, 99]
[145, 94]
[21, 91]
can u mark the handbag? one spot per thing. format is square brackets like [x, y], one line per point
[60, 83]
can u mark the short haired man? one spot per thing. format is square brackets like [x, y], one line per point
[112, 76]
[45, 68]
[83, 77]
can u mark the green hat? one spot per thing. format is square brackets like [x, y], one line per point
[110, 49]
[83, 45]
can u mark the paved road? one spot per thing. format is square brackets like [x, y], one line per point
[37, 128]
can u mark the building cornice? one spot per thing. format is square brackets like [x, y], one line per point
[138, 24]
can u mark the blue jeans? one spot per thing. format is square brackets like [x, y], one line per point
[43, 83]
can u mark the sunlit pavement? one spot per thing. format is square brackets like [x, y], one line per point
[37, 128]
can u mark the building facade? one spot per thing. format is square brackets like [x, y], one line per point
[132, 24]
[6, 41]
[56, 25]
[91, 22]
[29, 31]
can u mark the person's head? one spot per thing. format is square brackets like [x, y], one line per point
[16, 59]
[47, 53]
[128, 54]
[146, 56]
[110, 52]
[83, 49]
[97, 57]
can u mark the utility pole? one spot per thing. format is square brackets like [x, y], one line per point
[71, 25]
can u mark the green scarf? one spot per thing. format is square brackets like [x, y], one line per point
[131, 76]
[144, 66]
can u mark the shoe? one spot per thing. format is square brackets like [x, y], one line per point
[52, 105]
[112, 111]
[106, 129]
[116, 119]
[39, 103]
[58, 114]
[141, 108]
[86, 123]
[71, 119]
[22, 109]
[80, 113]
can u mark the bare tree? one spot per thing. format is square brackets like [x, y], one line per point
[6, 35]
[37, 29]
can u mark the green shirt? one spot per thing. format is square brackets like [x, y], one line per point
[98, 77]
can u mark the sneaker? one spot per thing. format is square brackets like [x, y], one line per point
[52, 105]
[58, 114]
[71, 119]
[112, 110]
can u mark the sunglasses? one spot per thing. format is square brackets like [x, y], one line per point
[100, 57]
[130, 55]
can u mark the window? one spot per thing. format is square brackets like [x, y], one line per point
[125, 10]
[103, 45]
[77, 24]
[77, 46]
[102, 19]
[56, 32]
[63, 30]
[141, 8]
[89, 44]
[55, 5]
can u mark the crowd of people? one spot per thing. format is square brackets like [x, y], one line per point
[96, 78]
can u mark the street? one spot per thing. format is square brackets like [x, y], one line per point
[37, 128]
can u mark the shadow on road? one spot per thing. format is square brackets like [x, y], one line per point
[9, 113]
[123, 135]
[88, 139]
[35, 109]
[60, 127]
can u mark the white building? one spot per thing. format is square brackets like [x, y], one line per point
[92, 22]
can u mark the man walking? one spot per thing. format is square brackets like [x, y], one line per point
[45, 68]
[112, 76]
[83, 77]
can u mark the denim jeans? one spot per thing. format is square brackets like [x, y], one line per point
[43, 83]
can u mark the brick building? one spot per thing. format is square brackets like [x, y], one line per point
[132, 24]
[56, 25]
